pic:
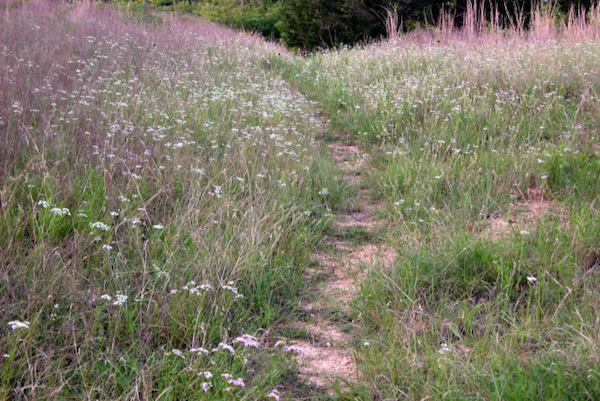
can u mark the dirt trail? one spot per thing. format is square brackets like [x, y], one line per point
[327, 351]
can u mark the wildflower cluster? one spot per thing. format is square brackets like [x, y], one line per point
[119, 298]
[15, 324]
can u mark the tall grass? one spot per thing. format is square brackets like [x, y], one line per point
[490, 22]
[484, 148]
[160, 195]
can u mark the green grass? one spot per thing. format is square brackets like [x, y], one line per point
[462, 137]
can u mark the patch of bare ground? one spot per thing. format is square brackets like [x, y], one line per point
[361, 218]
[327, 355]
[525, 214]
[349, 157]
[321, 363]
[344, 273]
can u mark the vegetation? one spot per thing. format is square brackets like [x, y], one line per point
[485, 155]
[164, 182]
[160, 196]
[309, 25]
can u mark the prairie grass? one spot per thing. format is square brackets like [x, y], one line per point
[160, 193]
[484, 148]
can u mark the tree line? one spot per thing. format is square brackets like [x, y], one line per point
[312, 24]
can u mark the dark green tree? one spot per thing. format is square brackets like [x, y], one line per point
[310, 24]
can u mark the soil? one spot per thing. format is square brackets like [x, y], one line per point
[327, 354]
[525, 215]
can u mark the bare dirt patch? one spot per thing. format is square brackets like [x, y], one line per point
[372, 254]
[320, 364]
[340, 286]
[525, 214]
[344, 273]
[327, 357]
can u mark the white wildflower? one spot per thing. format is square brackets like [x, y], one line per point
[60, 212]
[444, 348]
[178, 353]
[237, 382]
[101, 226]
[207, 375]
[247, 340]
[293, 348]
[230, 288]
[15, 324]
[217, 191]
[198, 350]
[227, 347]
[120, 299]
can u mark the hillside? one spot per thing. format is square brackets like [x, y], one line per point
[189, 212]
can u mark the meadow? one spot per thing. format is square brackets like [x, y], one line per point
[165, 181]
[484, 150]
[160, 196]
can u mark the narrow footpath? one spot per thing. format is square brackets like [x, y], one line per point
[340, 266]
